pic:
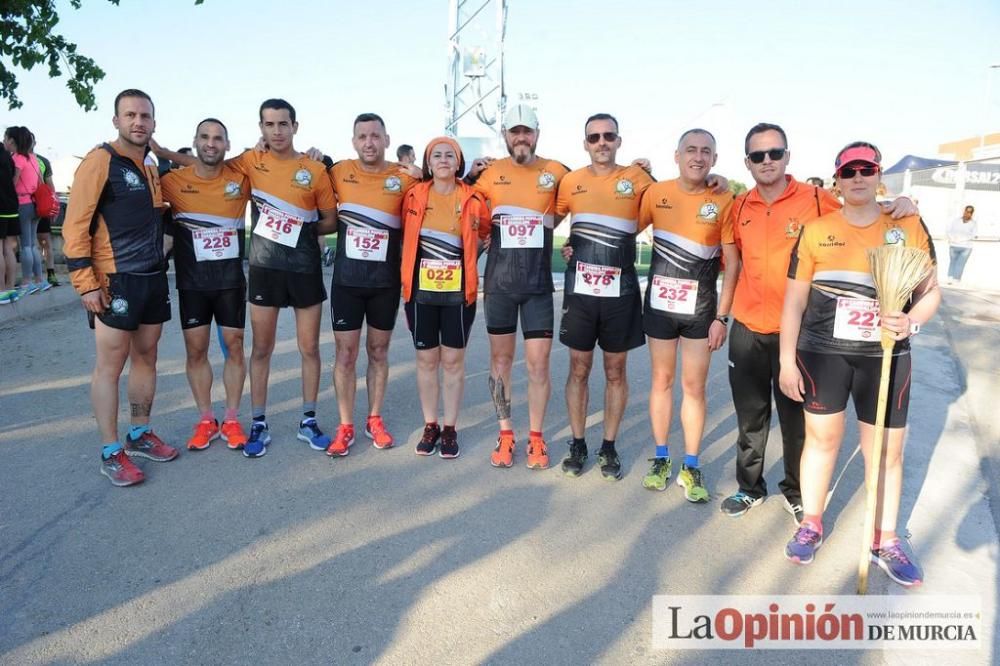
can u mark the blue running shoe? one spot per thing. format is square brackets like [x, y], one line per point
[803, 546]
[739, 503]
[898, 564]
[260, 437]
[310, 433]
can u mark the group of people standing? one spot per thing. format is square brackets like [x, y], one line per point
[21, 172]
[793, 265]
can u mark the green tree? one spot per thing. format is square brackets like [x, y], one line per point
[736, 187]
[29, 39]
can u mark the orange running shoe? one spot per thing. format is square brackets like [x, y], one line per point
[233, 434]
[375, 431]
[204, 432]
[538, 455]
[503, 454]
[341, 444]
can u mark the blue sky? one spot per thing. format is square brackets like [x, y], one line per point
[905, 75]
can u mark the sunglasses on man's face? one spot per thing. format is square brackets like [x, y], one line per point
[851, 172]
[775, 154]
[610, 137]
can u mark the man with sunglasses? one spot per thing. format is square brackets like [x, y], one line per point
[764, 225]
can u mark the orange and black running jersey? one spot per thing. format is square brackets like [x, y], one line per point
[605, 216]
[295, 189]
[368, 218]
[441, 239]
[207, 222]
[830, 254]
[519, 196]
[114, 220]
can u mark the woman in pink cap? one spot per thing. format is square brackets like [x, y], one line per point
[444, 222]
[830, 350]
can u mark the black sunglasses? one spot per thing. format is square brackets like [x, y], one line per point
[610, 137]
[851, 172]
[775, 154]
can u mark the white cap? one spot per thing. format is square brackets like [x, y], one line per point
[522, 114]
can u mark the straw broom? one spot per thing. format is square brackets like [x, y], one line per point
[897, 271]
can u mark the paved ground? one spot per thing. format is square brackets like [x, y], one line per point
[386, 557]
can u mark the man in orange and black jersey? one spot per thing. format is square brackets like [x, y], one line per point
[602, 303]
[296, 206]
[207, 207]
[366, 280]
[521, 191]
[681, 307]
[113, 236]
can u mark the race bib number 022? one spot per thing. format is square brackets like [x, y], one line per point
[215, 244]
[366, 244]
[521, 231]
[857, 319]
[597, 280]
[440, 275]
[673, 294]
[278, 226]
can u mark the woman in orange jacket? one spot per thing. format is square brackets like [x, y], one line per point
[444, 221]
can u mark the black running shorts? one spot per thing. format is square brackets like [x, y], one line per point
[830, 378]
[281, 289]
[135, 299]
[227, 306]
[536, 314]
[615, 324]
[433, 325]
[351, 306]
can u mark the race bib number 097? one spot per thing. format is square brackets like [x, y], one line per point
[521, 231]
[597, 280]
[857, 319]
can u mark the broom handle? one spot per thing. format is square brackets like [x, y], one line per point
[871, 484]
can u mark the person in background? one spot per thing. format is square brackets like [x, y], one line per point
[815, 181]
[45, 223]
[10, 227]
[961, 232]
[27, 175]
[406, 155]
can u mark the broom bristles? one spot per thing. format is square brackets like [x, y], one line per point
[897, 271]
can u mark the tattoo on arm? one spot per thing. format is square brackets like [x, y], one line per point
[500, 399]
[141, 408]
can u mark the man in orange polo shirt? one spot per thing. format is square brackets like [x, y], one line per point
[764, 224]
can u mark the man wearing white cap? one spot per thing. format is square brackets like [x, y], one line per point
[521, 190]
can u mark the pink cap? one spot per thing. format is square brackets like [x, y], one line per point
[864, 154]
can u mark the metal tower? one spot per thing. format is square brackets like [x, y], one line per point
[474, 89]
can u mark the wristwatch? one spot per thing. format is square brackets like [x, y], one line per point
[724, 319]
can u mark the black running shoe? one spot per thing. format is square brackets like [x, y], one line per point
[610, 464]
[572, 465]
[428, 443]
[449, 444]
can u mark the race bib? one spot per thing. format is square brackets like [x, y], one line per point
[521, 231]
[440, 275]
[673, 294]
[278, 226]
[366, 244]
[215, 244]
[597, 280]
[857, 319]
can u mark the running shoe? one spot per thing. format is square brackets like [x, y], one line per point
[610, 464]
[375, 431]
[538, 454]
[149, 446]
[204, 432]
[54, 281]
[449, 444]
[803, 546]
[44, 285]
[120, 470]
[739, 503]
[30, 288]
[233, 434]
[572, 464]
[428, 442]
[342, 443]
[900, 565]
[256, 444]
[795, 510]
[694, 487]
[8, 296]
[503, 453]
[310, 433]
[658, 475]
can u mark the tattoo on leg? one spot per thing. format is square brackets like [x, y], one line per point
[500, 399]
[141, 408]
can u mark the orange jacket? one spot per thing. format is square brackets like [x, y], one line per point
[476, 226]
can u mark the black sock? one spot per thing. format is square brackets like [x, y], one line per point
[259, 419]
[50, 272]
[580, 441]
[608, 445]
[308, 415]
